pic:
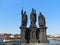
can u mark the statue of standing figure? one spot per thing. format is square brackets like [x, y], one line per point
[24, 18]
[33, 16]
[41, 20]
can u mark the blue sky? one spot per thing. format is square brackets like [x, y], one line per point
[10, 14]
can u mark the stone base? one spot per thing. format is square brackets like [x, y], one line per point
[34, 41]
[38, 44]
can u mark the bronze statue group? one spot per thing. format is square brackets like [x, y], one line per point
[33, 33]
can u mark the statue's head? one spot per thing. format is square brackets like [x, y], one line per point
[40, 13]
[33, 11]
[24, 12]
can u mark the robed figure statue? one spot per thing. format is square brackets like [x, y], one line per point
[24, 18]
[41, 20]
[33, 16]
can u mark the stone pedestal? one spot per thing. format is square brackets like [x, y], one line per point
[33, 29]
[23, 29]
[42, 35]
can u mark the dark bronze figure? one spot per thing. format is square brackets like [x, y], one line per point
[41, 20]
[24, 18]
[33, 16]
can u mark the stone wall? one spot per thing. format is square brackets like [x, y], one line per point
[39, 44]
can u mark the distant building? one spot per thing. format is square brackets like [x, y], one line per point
[11, 40]
[57, 35]
[1, 37]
